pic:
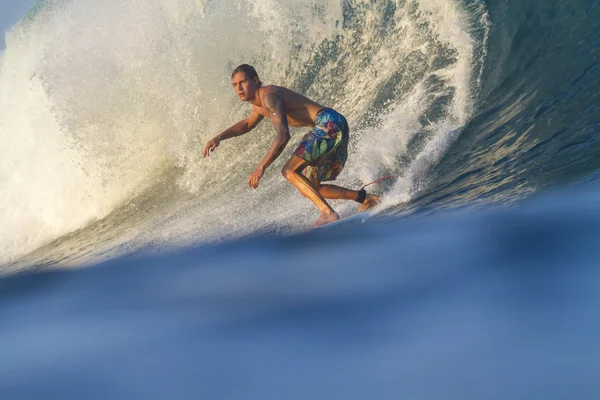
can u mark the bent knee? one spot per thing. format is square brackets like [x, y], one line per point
[286, 172]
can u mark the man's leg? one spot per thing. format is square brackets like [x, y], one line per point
[292, 171]
[338, 192]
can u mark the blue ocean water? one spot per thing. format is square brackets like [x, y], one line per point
[477, 278]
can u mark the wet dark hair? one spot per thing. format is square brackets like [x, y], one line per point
[248, 70]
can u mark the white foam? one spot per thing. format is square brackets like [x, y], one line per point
[95, 105]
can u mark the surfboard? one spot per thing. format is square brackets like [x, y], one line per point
[354, 219]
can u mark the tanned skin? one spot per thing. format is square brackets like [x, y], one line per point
[285, 108]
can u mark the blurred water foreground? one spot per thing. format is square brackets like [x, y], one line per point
[488, 304]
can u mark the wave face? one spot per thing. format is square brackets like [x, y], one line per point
[107, 113]
[537, 113]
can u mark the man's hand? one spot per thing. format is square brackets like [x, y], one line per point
[211, 146]
[255, 177]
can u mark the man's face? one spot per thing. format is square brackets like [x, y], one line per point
[244, 87]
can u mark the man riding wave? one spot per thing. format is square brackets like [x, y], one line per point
[321, 155]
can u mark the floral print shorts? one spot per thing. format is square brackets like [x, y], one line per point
[325, 147]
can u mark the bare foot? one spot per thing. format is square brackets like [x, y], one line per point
[370, 202]
[326, 218]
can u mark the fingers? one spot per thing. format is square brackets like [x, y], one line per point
[253, 182]
[210, 147]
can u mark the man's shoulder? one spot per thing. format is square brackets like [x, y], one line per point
[269, 89]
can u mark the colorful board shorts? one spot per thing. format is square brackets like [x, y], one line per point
[325, 147]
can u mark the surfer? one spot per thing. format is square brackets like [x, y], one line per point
[320, 156]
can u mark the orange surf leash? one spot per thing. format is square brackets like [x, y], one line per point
[379, 180]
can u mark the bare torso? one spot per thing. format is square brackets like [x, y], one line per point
[300, 110]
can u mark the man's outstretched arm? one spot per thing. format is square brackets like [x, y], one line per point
[238, 129]
[274, 105]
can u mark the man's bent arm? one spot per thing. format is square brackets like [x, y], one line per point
[274, 105]
[242, 127]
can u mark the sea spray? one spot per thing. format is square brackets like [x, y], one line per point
[102, 106]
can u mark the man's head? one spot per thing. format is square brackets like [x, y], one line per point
[245, 82]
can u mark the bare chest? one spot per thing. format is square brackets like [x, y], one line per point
[292, 119]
